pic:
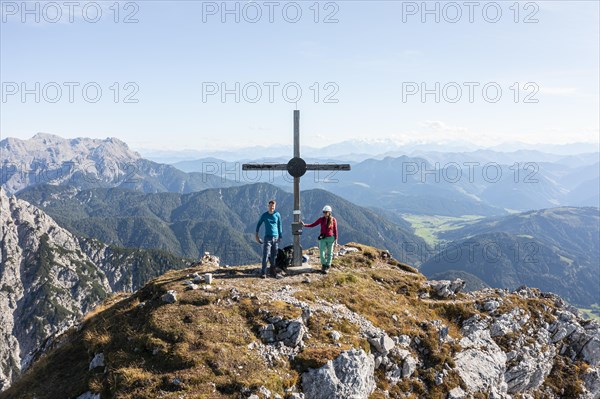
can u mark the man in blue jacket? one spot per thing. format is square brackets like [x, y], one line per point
[272, 237]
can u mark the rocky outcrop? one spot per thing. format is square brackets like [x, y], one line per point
[288, 332]
[89, 395]
[529, 348]
[591, 382]
[444, 288]
[579, 341]
[349, 376]
[482, 363]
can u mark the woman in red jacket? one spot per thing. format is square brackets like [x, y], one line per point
[327, 238]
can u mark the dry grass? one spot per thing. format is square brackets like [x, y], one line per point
[564, 379]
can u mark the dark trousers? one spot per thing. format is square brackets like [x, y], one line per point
[270, 247]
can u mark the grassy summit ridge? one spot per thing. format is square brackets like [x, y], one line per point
[208, 343]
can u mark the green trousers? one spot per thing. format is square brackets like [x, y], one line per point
[326, 250]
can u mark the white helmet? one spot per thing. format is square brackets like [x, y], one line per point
[326, 208]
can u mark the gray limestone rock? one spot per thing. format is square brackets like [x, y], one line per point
[590, 350]
[349, 376]
[456, 393]
[409, 366]
[402, 340]
[530, 365]
[591, 382]
[446, 288]
[382, 343]
[583, 340]
[509, 322]
[288, 332]
[264, 392]
[97, 361]
[482, 363]
[267, 333]
[292, 333]
[394, 374]
[169, 297]
[335, 335]
[89, 395]
[491, 305]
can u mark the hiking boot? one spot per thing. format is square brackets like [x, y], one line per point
[264, 275]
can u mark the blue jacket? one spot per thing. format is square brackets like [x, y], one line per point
[272, 224]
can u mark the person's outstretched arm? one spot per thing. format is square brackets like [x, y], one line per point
[316, 222]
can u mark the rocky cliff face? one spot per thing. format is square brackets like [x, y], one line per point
[49, 278]
[46, 282]
[372, 328]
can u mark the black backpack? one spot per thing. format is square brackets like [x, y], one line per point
[285, 257]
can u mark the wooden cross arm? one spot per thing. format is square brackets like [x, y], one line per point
[328, 166]
[273, 166]
[264, 166]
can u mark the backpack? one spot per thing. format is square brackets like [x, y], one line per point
[285, 257]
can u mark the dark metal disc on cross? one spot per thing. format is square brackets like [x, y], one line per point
[296, 167]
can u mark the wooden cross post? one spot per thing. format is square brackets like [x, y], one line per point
[296, 167]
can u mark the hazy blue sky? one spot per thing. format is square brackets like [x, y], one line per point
[368, 61]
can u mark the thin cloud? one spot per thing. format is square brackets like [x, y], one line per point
[559, 91]
[442, 127]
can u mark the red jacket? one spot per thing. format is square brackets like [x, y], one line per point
[326, 231]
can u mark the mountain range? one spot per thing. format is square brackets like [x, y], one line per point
[219, 221]
[360, 150]
[452, 184]
[478, 182]
[556, 250]
[89, 163]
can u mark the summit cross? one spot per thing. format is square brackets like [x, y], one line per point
[296, 167]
